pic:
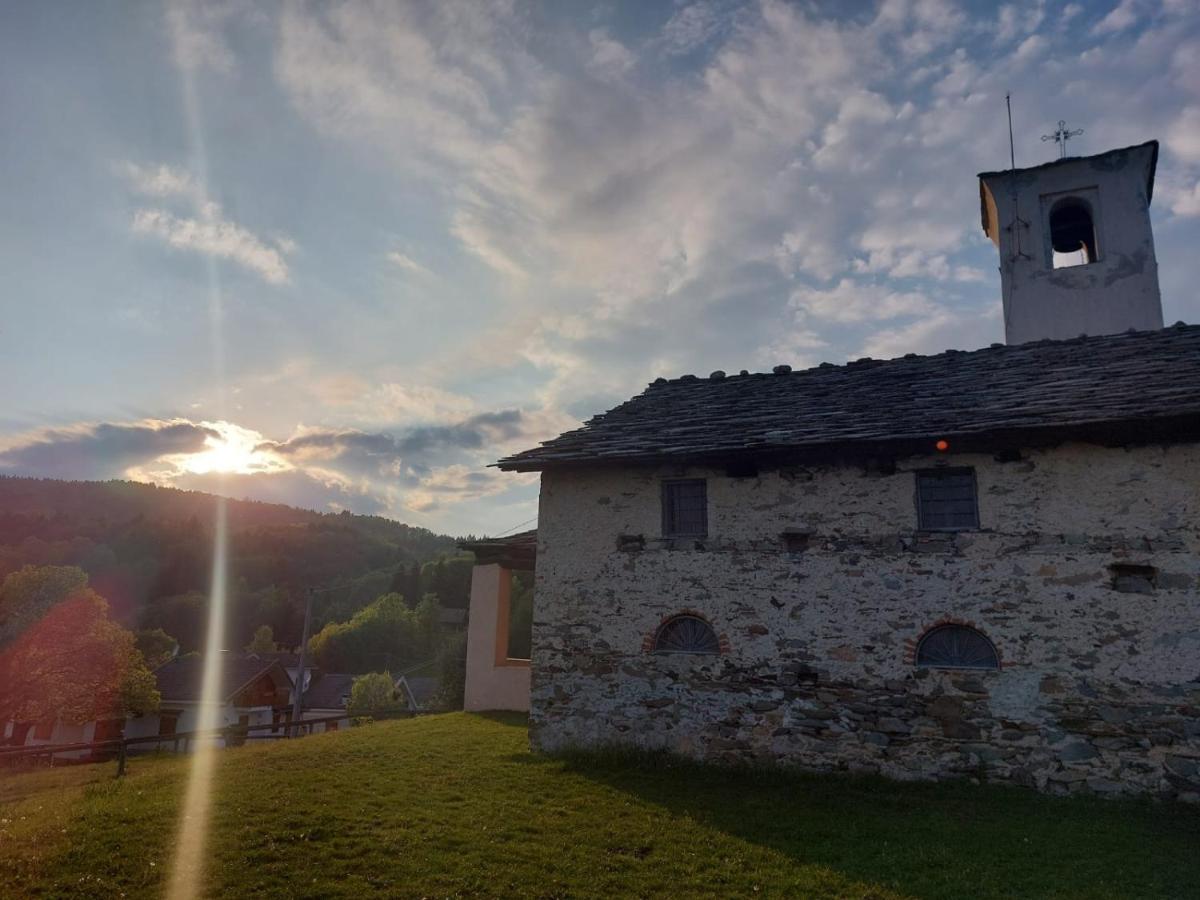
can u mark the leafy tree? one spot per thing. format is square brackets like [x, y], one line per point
[385, 634]
[74, 664]
[452, 671]
[155, 645]
[374, 694]
[450, 579]
[520, 616]
[263, 641]
[149, 551]
[185, 615]
[26, 595]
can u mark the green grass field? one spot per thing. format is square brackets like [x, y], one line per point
[456, 805]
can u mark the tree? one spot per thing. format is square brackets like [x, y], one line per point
[452, 671]
[384, 635]
[26, 595]
[75, 664]
[374, 694]
[155, 645]
[263, 641]
[520, 616]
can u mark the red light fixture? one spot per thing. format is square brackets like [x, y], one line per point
[942, 445]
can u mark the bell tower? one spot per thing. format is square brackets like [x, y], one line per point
[1076, 247]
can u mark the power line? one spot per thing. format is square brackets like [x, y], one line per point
[515, 527]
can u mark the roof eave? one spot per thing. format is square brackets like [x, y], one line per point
[1177, 428]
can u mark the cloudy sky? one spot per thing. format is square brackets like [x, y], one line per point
[343, 255]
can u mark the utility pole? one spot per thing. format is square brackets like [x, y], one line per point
[298, 704]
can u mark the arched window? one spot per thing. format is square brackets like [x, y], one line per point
[686, 634]
[1072, 233]
[956, 647]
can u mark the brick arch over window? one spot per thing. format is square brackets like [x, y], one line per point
[679, 631]
[953, 644]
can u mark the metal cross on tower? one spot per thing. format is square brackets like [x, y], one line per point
[1061, 136]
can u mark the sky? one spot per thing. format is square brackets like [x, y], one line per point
[344, 255]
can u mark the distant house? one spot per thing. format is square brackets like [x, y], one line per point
[291, 664]
[452, 618]
[327, 695]
[41, 734]
[254, 691]
[420, 694]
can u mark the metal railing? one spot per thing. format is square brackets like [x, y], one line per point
[232, 735]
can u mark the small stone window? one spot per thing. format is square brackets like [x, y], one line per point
[946, 500]
[956, 647]
[685, 508]
[686, 634]
[1072, 233]
[1129, 578]
[742, 468]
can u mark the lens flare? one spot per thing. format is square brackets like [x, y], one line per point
[188, 871]
[192, 837]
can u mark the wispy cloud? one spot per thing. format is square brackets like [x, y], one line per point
[218, 238]
[205, 231]
[407, 263]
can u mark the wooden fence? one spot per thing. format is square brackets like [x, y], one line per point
[231, 735]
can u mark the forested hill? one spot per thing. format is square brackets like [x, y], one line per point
[148, 550]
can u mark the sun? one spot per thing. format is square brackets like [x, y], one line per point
[233, 450]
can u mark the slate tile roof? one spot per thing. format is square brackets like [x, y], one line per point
[329, 691]
[516, 551]
[1062, 388]
[181, 679]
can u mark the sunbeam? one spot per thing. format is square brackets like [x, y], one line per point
[192, 838]
[187, 873]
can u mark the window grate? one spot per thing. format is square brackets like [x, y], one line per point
[956, 647]
[685, 508]
[686, 634]
[946, 500]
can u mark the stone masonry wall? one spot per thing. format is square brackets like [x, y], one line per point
[1099, 685]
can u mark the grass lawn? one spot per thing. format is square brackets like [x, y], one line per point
[455, 805]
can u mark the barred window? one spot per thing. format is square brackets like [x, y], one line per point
[956, 647]
[685, 508]
[946, 500]
[686, 634]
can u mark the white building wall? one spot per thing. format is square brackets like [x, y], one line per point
[1118, 291]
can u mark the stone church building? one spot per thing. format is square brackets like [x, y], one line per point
[977, 563]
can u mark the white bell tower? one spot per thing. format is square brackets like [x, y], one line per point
[1076, 247]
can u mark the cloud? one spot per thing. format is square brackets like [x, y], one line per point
[405, 455]
[610, 58]
[1185, 200]
[692, 26]
[221, 239]
[851, 301]
[407, 263]
[945, 329]
[163, 181]
[1119, 18]
[205, 230]
[101, 450]
[1183, 135]
[196, 30]
[418, 469]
